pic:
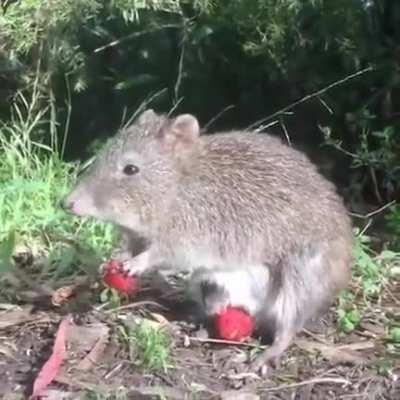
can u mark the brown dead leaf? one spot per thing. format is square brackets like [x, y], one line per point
[61, 295]
[84, 337]
[160, 318]
[87, 343]
[337, 354]
[374, 329]
[94, 355]
[17, 316]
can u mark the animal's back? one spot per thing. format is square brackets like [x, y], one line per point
[251, 193]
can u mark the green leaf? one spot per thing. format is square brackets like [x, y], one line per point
[138, 80]
[6, 251]
[347, 326]
[354, 316]
[394, 335]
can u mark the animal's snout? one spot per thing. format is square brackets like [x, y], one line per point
[67, 205]
[79, 203]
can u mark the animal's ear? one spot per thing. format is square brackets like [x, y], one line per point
[146, 117]
[185, 127]
[181, 133]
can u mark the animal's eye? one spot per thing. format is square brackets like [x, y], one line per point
[130, 169]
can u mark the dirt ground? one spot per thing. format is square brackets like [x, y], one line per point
[320, 364]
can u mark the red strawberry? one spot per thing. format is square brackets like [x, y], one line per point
[117, 279]
[234, 324]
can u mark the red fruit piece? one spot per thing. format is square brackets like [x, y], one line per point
[234, 324]
[116, 278]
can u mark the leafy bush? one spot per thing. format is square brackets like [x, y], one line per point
[371, 274]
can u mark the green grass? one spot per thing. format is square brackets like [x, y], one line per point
[372, 269]
[371, 274]
[393, 223]
[149, 345]
[33, 180]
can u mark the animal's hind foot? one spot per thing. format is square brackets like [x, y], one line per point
[272, 356]
[262, 364]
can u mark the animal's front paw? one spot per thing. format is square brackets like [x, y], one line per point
[135, 266]
[131, 267]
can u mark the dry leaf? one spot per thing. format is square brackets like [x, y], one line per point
[18, 316]
[160, 318]
[53, 364]
[83, 338]
[94, 355]
[61, 295]
[337, 354]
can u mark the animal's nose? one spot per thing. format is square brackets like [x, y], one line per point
[67, 205]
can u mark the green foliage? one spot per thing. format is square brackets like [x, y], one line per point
[33, 181]
[44, 36]
[7, 247]
[394, 335]
[149, 345]
[372, 272]
[297, 30]
[348, 313]
[376, 151]
[130, 9]
[111, 296]
[393, 219]
[26, 24]
[392, 340]
[385, 367]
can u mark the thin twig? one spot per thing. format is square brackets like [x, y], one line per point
[372, 213]
[375, 183]
[212, 120]
[143, 105]
[367, 225]
[180, 70]
[175, 106]
[134, 35]
[315, 337]
[222, 341]
[325, 104]
[311, 95]
[391, 295]
[122, 123]
[263, 127]
[68, 117]
[135, 305]
[285, 131]
[315, 381]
